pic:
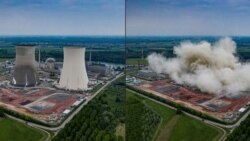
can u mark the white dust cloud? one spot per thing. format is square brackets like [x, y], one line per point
[213, 68]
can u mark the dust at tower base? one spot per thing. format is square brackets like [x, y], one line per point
[74, 75]
[25, 67]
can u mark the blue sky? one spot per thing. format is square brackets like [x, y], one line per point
[188, 17]
[62, 17]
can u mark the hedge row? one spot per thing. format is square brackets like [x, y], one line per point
[24, 117]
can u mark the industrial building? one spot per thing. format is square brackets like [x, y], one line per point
[50, 63]
[51, 67]
[99, 69]
[61, 86]
[74, 75]
[226, 108]
[24, 74]
[150, 75]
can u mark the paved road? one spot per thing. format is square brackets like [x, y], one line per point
[48, 134]
[62, 125]
[223, 137]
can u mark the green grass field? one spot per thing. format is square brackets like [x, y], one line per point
[189, 129]
[3, 59]
[11, 130]
[135, 61]
[183, 127]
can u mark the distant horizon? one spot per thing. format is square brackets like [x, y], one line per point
[54, 35]
[189, 17]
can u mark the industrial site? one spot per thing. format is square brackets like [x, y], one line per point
[49, 90]
[225, 108]
[218, 87]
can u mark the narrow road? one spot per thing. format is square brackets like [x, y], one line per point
[223, 137]
[62, 125]
[48, 134]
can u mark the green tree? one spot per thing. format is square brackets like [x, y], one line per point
[99, 136]
[1, 112]
[120, 138]
[106, 137]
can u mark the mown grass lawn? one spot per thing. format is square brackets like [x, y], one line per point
[188, 129]
[11, 130]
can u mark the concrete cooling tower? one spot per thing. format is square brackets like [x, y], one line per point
[74, 75]
[25, 67]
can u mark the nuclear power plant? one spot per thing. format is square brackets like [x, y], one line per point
[53, 89]
[24, 74]
[74, 75]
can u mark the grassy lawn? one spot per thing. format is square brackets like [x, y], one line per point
[165, 113]
[11, 130]
[183, 129]
[135, 61]
[188, 129]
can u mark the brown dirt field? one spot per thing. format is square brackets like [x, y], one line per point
[166, 131]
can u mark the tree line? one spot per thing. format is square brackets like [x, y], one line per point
[141, 121]
[112, 55]
[97, 121]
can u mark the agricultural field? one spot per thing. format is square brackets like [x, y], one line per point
[102, 119]
[200, 131]
[136, 61]
[176, 126]
[14, 131]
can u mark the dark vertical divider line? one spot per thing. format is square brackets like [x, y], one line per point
[125, 41]
[125, 51]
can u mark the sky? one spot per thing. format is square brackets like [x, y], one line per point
[188, 17]
[62, 17]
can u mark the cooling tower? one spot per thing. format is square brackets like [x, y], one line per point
[74, 75]
[25, 67]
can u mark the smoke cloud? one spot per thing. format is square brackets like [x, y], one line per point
[213, 68]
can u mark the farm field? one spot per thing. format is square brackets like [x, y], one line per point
[177, 126]
[200, 131]
[135, 61]
[14, 131]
